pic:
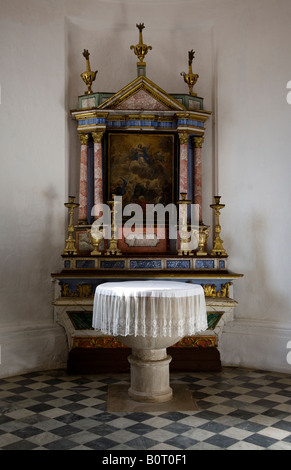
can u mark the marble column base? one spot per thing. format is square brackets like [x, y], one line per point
[150, 376]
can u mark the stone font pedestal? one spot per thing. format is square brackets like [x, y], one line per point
[150, 376]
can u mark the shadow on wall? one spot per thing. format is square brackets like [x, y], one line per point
[54, 230]
[263, 297]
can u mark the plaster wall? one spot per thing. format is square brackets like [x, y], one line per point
[243, 52]
[33, 181]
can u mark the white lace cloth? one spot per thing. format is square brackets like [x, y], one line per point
[149, 308]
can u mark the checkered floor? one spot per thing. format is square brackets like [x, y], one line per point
[238, 410]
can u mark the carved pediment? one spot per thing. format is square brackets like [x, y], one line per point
[142, 100]
[142, 94]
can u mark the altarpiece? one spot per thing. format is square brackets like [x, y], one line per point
[140, 147]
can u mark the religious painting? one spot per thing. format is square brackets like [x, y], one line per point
[141, 168]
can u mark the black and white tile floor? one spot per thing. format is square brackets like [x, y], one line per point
[239, 409]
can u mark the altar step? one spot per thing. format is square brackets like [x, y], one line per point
[114, 360]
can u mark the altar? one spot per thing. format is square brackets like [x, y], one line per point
[138, 215]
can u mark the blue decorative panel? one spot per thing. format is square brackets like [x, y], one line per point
[189, 122]
[166, 124]
[204, 264]
[86, 263]
[145, 264]
[116, 124]
[140, 123]
[134, 123]
[183, 264]
[92, 121]
[112, 264]
[67, 264]
[222, 264]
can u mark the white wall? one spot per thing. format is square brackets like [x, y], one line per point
[33, 181]
[243, 52]
[254, 160]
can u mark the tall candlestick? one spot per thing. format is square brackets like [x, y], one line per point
[185, 243]
[217, 242]
[70, 248]
[113, 242]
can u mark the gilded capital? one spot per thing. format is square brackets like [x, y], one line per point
[97, 137]
[84, 139]
[183, 136]
[198, 141]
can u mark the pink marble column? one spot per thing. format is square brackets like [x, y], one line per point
[98, 174]
[183, 184]
[83, 179]
[198, 141]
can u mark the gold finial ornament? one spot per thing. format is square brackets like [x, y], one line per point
[70, 248]
[141, 49]
[88, 76]
[190, 78]
[218, 249]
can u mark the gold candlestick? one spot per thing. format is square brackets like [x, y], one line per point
[89, 76]
[217, 242]
[70, 248]
[113, 248]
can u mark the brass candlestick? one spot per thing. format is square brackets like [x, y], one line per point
[217, 242]
[190, 78]
[113, 248]
[70, 248]
[88, 76]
